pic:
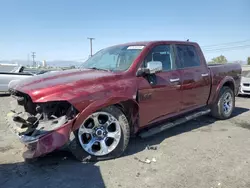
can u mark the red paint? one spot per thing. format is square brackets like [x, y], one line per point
[49, 142]
[165, 97]
[90, 90]
[195, 88]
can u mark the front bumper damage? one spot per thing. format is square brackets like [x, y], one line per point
[42, 128]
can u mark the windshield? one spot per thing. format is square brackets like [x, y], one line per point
[117, 58]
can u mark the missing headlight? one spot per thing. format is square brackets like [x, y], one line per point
[36, 119]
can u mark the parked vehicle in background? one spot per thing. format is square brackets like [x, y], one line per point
[245, 84]
[15, 74]
[7, 67]
[138, 88]
[18, 73]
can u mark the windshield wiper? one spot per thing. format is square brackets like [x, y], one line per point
[95, 68]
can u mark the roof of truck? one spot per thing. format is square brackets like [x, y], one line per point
[145, 43]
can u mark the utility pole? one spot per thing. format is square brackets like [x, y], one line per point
[33, 57]
[91, 50]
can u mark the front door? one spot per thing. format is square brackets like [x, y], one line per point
[159, 94]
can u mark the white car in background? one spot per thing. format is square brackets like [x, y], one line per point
[245, 84]
[18, 73]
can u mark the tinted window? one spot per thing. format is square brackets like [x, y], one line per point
[164, 54]
[188, 56]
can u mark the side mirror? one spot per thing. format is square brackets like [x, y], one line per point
[152, 68]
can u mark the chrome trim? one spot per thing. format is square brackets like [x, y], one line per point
[203, 75]
[175, 80]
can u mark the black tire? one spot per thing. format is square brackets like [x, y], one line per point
[83, 156]
[217, 108]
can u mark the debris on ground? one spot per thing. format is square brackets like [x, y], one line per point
[151, 147]
[146, 161]
[154, 160]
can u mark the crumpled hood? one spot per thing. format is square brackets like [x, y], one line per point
[70, 80]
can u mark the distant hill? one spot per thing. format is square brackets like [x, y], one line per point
[55, 63]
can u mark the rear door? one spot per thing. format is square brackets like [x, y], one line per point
[159, 94]
[195, 77]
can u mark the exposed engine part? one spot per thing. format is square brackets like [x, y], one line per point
[36, 119]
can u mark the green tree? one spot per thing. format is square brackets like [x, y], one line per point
[219, 59]
[248, 60]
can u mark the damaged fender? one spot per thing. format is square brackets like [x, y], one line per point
[39, 146]
[41, 127]
[99, 104]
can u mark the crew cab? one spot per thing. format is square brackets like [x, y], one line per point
[139, 88]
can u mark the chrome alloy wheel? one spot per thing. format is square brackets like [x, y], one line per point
[99, 134]
[227, 103]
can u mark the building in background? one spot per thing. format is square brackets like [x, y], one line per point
[44, 63]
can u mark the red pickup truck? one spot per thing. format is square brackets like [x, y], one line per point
[137, 88]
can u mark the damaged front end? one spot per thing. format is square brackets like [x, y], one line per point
[42, 127]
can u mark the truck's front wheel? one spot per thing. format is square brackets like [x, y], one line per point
[103, 135]
[225, 104]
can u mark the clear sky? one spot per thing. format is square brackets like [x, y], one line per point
[58, 29]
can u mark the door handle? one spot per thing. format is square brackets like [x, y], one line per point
[203, 75]
[175, 80]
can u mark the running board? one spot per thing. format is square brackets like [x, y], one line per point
[160, 128]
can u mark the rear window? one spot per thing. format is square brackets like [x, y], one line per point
[188, 56]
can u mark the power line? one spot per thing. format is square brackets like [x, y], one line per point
[228, 48]
[225, 44]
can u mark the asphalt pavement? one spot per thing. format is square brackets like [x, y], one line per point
[203, 153]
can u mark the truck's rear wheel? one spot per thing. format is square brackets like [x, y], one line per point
[103, 135]
[225, 104]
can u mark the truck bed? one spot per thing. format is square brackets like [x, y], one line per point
[219, 72]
